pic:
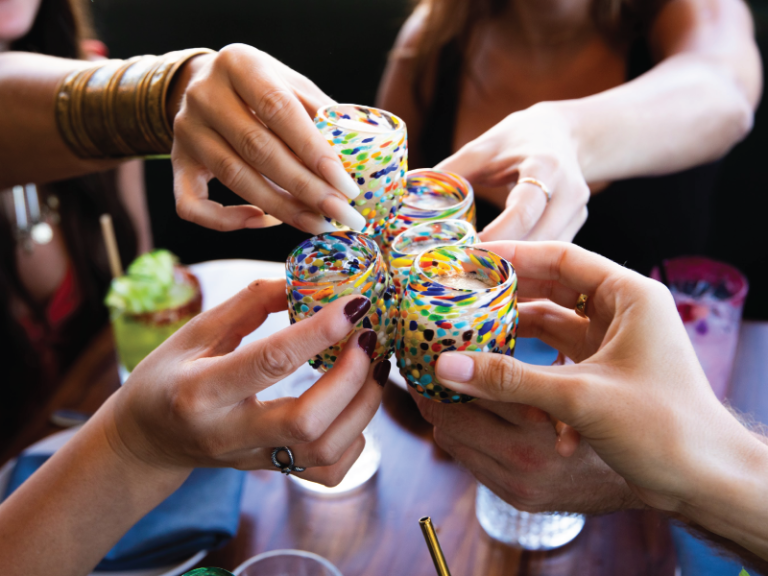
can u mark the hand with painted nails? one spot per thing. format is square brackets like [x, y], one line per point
[245, 118]
[192, 403]
[636, 393]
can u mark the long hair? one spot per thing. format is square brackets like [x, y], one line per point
[58, 30]
[620, 21]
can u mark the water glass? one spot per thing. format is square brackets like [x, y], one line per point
[457, 298]
[337, 264]
[709, 296]
[431, 195]
[505, 523]
[287, 563]
[372, 144]
[413, 241]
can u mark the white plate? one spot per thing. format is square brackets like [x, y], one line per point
[52, 443]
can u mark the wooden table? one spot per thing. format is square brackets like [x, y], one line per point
[375, 530]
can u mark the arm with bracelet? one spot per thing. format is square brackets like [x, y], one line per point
[237, 115]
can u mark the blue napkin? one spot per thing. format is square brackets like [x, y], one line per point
[698, 558]
[202, 514]
[534, 351]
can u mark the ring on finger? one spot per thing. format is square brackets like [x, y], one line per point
[539, 183]
[285, 468]
[581, 305]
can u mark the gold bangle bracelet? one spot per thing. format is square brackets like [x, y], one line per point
[117, 108]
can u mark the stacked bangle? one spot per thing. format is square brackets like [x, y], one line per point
[117, 109]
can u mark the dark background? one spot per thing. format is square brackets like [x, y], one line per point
[342, 45]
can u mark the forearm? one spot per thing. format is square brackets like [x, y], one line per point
[684, 112]
[71, 512]
[31, 147]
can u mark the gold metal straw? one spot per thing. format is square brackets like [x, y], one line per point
[109, 239]
[434, 546]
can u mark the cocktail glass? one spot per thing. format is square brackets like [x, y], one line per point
[457, 298]
[155, 298]
[710, 297]
[373, 147]
[416, 239]
[431, 195]
[338, 264]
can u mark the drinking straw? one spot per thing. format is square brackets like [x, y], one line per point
[109, 239]
[434, 546]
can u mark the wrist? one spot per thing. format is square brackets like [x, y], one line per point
[181, 81]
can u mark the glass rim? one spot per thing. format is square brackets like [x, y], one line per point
[467, 229]
[322, 113]
[469, 198]
[511, 273]
[288, 552]
[367, 270]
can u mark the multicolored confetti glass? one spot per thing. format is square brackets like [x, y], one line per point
[373, 147]
[431, 195]
[421, 237]
[338, 264]
[437, 317]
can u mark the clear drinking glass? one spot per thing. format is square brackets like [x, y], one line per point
[373, 147]
[155, 298]
[336, 264]
[431, 195]
[710, 297]
[505, 523]
[287, 563]
[457, 298]
[412, 241]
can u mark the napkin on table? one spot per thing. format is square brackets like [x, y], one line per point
[202, 514]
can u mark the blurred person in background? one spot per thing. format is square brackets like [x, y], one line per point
[611, 106]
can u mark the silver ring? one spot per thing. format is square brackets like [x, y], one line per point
[538, 183]
[285, 468]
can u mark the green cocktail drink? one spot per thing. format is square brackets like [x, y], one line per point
[155, 297]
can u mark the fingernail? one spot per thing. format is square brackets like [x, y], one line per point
[314, 223]
[337, 177]
[381, 372]
[356, 309]
[265, 221]
[455, 367]
[339, 210]
[367, 341]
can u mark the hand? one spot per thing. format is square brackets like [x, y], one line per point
[246, 119]
[637, 394]
[511, 449]
[192, 401]
[533, 143]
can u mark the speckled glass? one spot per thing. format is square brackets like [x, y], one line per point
[338, 264]
[410, 243]
[373, 147]
[436, 318]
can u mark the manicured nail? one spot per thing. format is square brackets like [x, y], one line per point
[367, 341]
[356, 309]
[455, 367]
[337, 177]
[265, 221]
[314, 223]
[340, 210]
[381, 372]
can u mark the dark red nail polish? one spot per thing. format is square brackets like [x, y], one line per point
[367, 341]
[381, 372]
[356, 309]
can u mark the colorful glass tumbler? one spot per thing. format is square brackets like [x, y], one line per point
[431, 195]
[421, 237]
[373, 147]
[458, 298]
[338, 264]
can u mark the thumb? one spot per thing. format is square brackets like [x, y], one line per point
[554, 389]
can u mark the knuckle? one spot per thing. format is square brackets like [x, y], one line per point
[230, 171]
[326, 454]
[526, 216]
[502, 375]
[256, 148]
[231, 54]
[333, 477]
[304, 427]
[301, 187]
[274, 104]
[184, 209]
[273, 361]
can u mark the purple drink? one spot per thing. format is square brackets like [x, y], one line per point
[709, 296]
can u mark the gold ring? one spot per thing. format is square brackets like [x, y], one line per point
[539, 183]
[581, 305]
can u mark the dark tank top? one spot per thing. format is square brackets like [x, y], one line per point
[636, 222]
